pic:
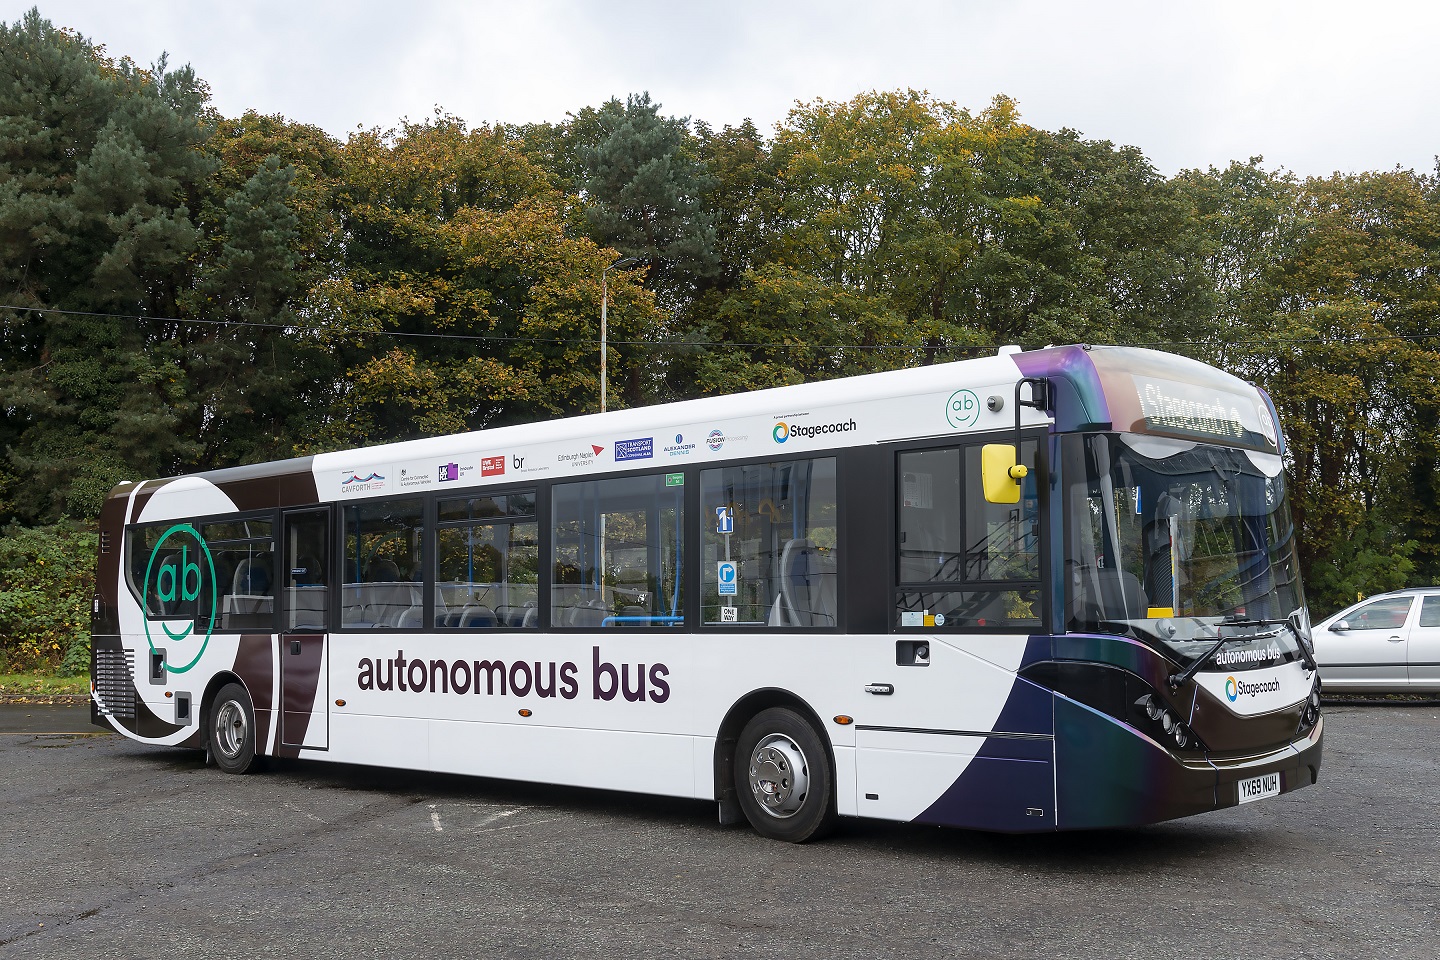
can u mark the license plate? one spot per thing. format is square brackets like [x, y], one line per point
[1258, 788]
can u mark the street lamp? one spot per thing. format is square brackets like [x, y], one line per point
[623, 263]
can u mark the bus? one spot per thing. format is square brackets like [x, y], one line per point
[1033, 591]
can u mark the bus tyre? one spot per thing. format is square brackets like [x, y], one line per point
[232, 730]
[783, 777]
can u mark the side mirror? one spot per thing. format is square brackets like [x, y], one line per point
[1340, 626]
[1000, 473]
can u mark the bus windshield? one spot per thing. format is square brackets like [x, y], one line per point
[1168, 541]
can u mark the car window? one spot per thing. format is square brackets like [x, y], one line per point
[1430, 612]
[1381, 614]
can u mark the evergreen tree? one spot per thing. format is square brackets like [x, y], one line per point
[643, 190]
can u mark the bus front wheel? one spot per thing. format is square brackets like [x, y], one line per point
[232, 730]
[783, 777]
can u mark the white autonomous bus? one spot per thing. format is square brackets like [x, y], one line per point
[1041, 590]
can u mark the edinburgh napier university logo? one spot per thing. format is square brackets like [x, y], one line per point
[174, 580]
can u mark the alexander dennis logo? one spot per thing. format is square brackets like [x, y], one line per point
[176, 583]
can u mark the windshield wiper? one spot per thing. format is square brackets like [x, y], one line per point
[1233, 620]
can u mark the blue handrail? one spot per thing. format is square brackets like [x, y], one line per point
[663, 619]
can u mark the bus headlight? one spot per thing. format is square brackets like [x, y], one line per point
[1310, 715]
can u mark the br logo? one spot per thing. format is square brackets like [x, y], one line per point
[175, 585]
[962, 409]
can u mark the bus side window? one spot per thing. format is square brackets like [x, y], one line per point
[961, 561]
[618, 551]
[383, 565]
[771, 545]
[487, 563]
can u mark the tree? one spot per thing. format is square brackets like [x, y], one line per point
[642, 189]
[1347, 356]
[463, 302]
[100, 170]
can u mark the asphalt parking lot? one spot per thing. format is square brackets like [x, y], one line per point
[114, 849]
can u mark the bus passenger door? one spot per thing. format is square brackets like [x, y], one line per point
[304, 653]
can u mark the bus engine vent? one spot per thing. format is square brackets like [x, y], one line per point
[104, 541]
[115, 683]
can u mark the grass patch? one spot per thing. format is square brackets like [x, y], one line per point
[42, 685]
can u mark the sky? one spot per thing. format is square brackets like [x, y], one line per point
[1313, 87]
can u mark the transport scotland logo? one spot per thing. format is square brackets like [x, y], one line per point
[641, 448]
[176, 582]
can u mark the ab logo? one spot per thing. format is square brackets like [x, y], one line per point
[962, 409]
[178, 588]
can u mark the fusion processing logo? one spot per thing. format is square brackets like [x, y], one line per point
[179, 588]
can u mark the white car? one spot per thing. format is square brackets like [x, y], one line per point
[1389, 643]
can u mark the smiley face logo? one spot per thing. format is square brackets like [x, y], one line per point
[176, 584]
[962, 409]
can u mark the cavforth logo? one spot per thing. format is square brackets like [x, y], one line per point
[175, 583]
[353, 482]
[962, 409]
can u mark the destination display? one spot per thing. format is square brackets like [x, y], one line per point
[1202, 412]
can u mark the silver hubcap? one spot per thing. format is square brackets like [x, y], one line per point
[779, 776]
[230, 728]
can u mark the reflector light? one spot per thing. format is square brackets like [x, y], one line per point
[524, 713]
[844, 721]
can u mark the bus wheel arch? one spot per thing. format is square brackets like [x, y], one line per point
[728, 777]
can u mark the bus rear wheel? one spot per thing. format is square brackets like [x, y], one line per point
[783, 777]
[232, 730]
